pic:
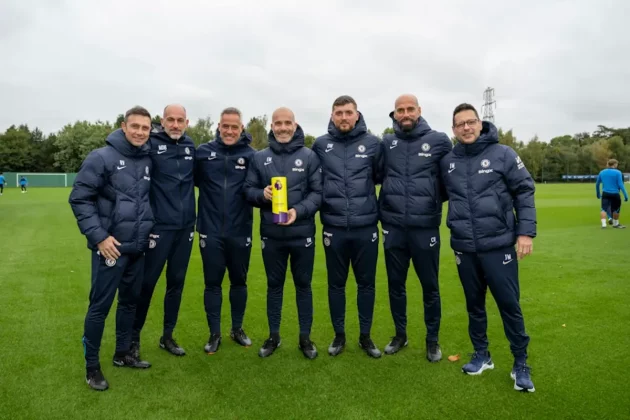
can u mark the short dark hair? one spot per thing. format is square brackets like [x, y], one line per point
[344, 100]
[231, 111]
[464, 107]
[137, 110]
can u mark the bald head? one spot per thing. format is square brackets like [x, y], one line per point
[283, 124]
[174, 121]
[282, 112]
[173, 108]
[407, 111]
[406, 98]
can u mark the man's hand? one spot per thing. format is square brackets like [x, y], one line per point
[108, 248]
[267, 193]
[292, 216]
[524, 246]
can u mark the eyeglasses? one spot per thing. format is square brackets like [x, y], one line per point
[470, 123]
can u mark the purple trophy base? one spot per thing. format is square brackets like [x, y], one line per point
[281, 217]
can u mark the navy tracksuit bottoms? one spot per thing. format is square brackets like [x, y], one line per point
[498, 271]
[276, 254]
[173, 248]
[108, 276]
[422, 247]
[217, 255]
[358, 247]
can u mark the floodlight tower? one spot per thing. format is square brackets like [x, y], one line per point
[489, 104]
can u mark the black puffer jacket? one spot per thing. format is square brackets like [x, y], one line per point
[411, 195]
[487, 183]
[110, 195]
[351, 167]
[300, 165]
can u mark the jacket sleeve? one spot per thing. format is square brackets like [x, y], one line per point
[254, 188]
[310, 205]
[90, 178]
[597, 184]
[521, 186]
[378, 169]
[622, 187]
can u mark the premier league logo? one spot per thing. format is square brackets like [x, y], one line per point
[278, 185]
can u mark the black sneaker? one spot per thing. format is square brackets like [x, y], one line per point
[96, 380]
[129, 361]
[308, 348]
[397, 343]
[170, 345]
[213, 344]
[337, 346]
[619, 227]
[134, 350]
[434, 352]
[240, 337]
[270, 345]
[370, 348]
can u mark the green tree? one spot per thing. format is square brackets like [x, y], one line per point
[309, 140]
[15, 149]
[257, 127]
[201, 132]
[75, 141]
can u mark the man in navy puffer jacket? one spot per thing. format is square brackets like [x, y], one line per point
[351, 167]
[487, 183]
[110, 200]
[287, 157]
[411, 213]
[173, 204]
[225, 223]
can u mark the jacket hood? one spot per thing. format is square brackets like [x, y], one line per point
[244, 140]
[119, 142]
[420, 128]
[489, 135]
[296, 142]
[359, 129]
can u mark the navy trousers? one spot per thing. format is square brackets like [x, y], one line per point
[218, 255]
[422, 247]
[173, 248]
[276, 254]
[358, 247]
[498, 271]
[108, 276]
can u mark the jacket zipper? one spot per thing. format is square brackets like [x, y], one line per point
[225, 169]
[469, 193]
[181, 201]
[345, 180]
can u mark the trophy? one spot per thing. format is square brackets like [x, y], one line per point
[279, 205]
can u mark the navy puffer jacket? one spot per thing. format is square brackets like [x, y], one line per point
[220, 172]
[412, 191]
[110, 195]
[300, 165]
[351, 167]
[490, 192]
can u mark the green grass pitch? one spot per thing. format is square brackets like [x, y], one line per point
[574, 293]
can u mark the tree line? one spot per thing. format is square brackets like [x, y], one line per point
[26, 150]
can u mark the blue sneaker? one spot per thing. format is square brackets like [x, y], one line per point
[479, 362]
[522, 379]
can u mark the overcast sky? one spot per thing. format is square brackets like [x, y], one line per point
[557, 67]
